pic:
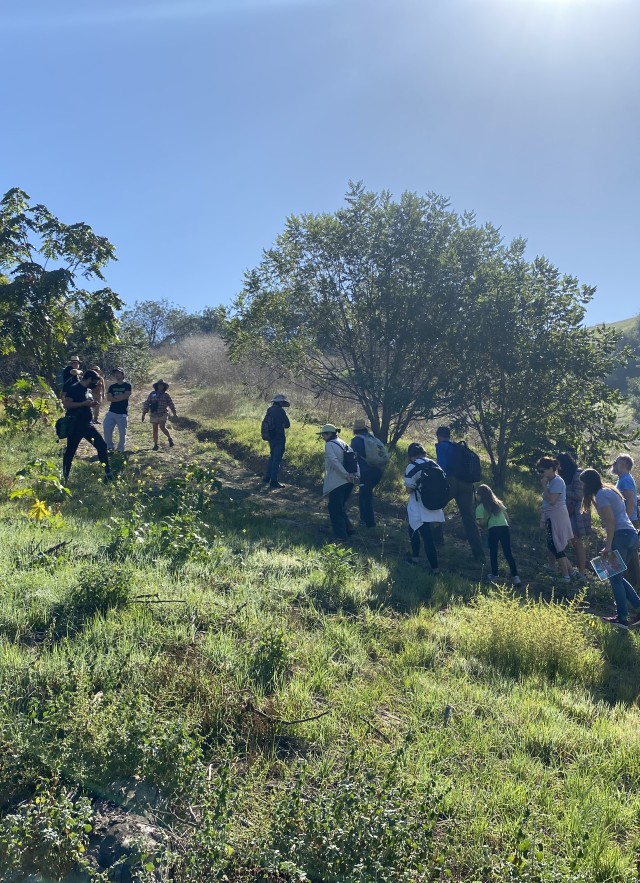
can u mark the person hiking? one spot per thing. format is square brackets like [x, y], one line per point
[420, 518]
[118, 395]
[554, 517]
[621, 535]
[98, 394]
[158, 404]
[570, 472]
[461, 490]
[491, 513]
[340, 475]
[274, 423]
[622, 467]
[372, 458]
[78, 403]
[72, 369]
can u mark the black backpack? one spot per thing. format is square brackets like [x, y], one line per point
[349, 456]
[267, 427]
[432, 487]
[466, 463]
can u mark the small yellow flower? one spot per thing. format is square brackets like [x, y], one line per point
[39, 510]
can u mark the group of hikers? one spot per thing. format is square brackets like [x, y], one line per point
[568, 495]
[82, 392]
[568, 492]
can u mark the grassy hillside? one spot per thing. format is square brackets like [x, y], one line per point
[197, 686]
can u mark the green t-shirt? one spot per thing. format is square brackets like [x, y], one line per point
[499, 520]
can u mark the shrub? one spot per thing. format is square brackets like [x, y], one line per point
[99, 590]
[333, 587]
[271, 659]
[47, 835]
[363, 823]
[533, 637]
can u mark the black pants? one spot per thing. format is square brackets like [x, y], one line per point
[424, 531]
[551, 545]
[340, 523]
[501, 535]
[91, 434]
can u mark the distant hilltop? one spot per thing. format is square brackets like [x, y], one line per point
[624, 325]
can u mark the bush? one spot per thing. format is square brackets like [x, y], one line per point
[534, 637]
[47, 835]
[100, 589]
[333, 588]
[362, 823]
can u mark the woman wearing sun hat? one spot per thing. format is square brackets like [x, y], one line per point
[340, 475]
[158, 404]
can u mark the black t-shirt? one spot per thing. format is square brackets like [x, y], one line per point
[118, 389]
[66, 374]
[75, 391]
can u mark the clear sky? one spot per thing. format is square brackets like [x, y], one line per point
[187, 130]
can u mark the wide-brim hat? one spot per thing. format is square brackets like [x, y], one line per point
[328, 427]
[73, 359]
[359, 425]
[160, 383]
[280, 400]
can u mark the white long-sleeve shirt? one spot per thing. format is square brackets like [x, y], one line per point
[334, 472]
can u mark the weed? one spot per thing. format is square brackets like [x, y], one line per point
[362, 822]
[534, 637]
[334, 588]
[47, 835]
[271, 659]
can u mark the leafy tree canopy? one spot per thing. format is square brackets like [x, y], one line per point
[415, 312]
[44, 265]
[364, 303]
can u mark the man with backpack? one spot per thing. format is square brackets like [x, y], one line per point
[461, 465]
[274, 423]
[428, 490]
[340, 475]
[372, 458]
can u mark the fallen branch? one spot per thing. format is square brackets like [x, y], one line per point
[156, 599]
[250, 707]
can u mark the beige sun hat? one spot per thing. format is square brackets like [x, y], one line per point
[328, 427]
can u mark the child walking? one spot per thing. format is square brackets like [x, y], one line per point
[491, 513]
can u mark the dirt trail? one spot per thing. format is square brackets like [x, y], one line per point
[299, 504]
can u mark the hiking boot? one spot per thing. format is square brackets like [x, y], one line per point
[492, 577]
[155, 447]
[171, 442]
[275, 484]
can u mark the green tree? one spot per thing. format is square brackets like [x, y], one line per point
[128, 350]
[363, 303]
[42, 261]
[155, 317]
[534, 376]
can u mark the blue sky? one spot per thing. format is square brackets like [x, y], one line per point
[187, 130]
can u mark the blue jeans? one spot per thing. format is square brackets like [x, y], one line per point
[626, 542]
[276, 449]
[369, 479]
